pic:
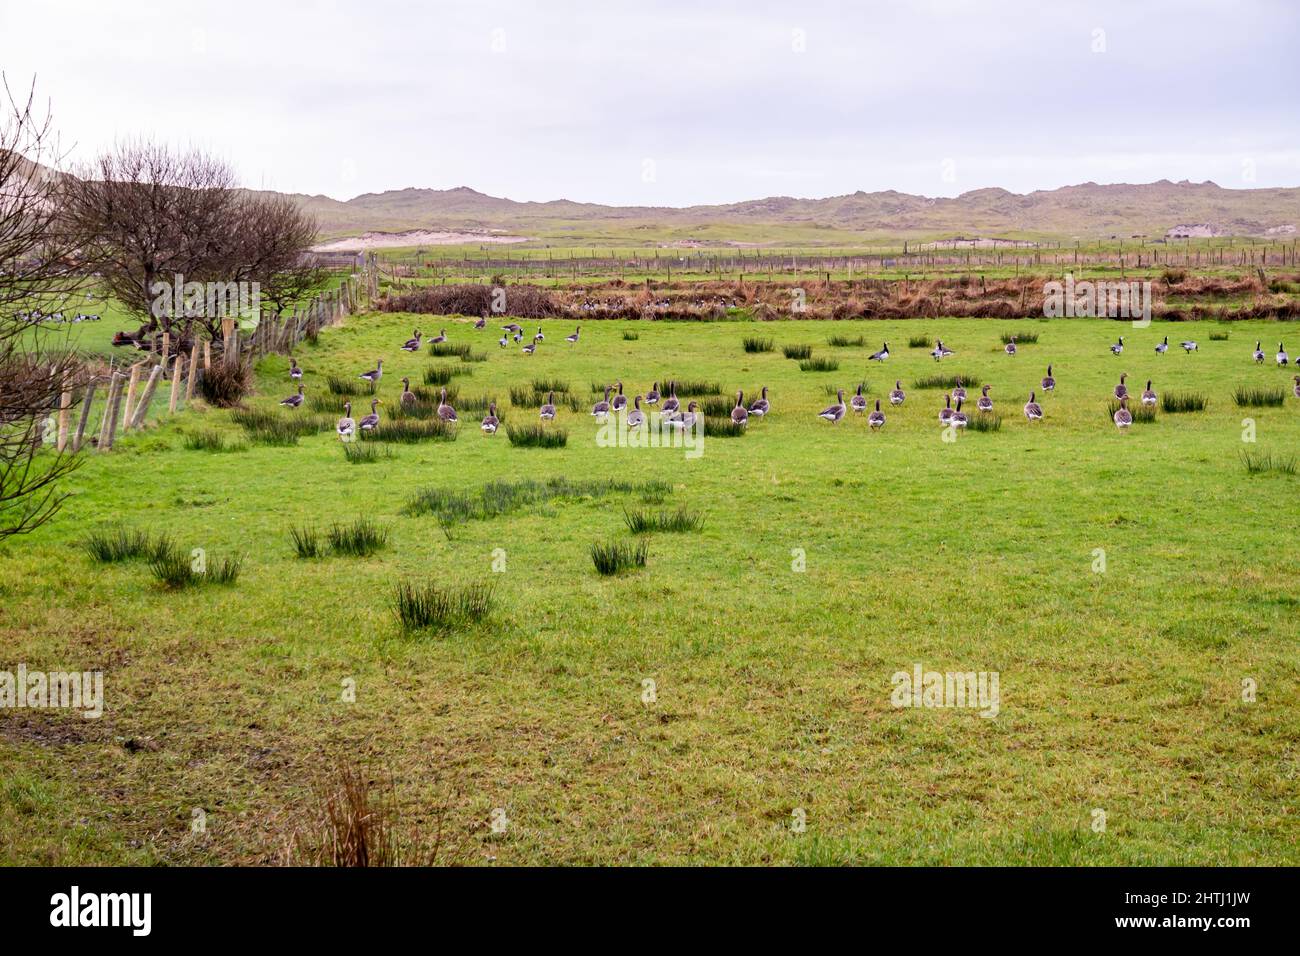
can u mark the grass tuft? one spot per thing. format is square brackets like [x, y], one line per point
[984, 422]
[797, 351]
[722, 428]
[920, 342]
[617, 556]
[1250, 397]
[755, 344]
[536, 436]
[360, 539]
[843, 341]
[1142, 414]
[819, 365]
[645, 521]
[429, 607]
[1173, 403]
[947, 381]
[212, 441]
[1022, 338]
[1258, 463]
[306, 542]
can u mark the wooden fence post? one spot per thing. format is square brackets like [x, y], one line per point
[65, 404]
[178, 369]
[194, 364]
[207, 356]
[136, 419]
[85, 416]
[109, 430]
[130, 391]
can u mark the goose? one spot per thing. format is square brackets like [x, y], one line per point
[877, 418]
[1048, 383]
[574, 336]
[1033, 411]
[984, 403]
[547, 411]
[439, 338]
[504, 341]
[371, 421]
[445, 411]
[519, 336]
[1259, 353]
[1121, 390]
[692, 415]
[945, 413]
[740, 414]
[293, 401]
[941, 351]
[1297, 386]
[682, 420]
[539, 336]
[670, 403]
[1163, 347]
[958, 416]
[858, 402]
[480, 322]
[833, 413]
[530, 348]
[490, 421]
[601, 409]
[1281, 355]
[408, 397]
[959, 390]
[346, 426]
[1123, 417]
[896, 395]
[413, 343]
[294, 371]
[1010, 347]
[510, 327]
[1148, 396]
[620, 400]
[1189, 347]
[882, 354]
[1118, 347]
[652, 396]
[760, 406]
[635, 417]
[375, 374]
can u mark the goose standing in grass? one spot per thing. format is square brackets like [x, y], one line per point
[958, 416]
[490, 421]
[601, 409]
[519, 336]
[620, 400]
[530, 348]
[1121, 390]
[833, 413]
[504, 341]
[1118, 347]
[1148, 396]
[858, 402]
[480, 322]
[346, 427]
[408, 399]
[1297, 386]
[439, 338]
[1123, 417]
[941, 351]
[740, 414]
[574, 336]
[445, 411]
[1282, 358]
[539, 336]
[635, 417]
[877, 418]
[1259, 354]
[945, 413]
[1048, 383]
[1189, 347]
[293, 401]
[1033, 411]
[984, 403]
[374, 375]
[882, 354]
[413, 343]
[1163, 347]
[692, 415]
[671, 404]
[1010, 347]
[371, 421]
[295, 372]
[547, 411]
[510, 328]
[760, 406]
[652, 396]
[959, 390]
[896, 394]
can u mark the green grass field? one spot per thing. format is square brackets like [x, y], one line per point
[829, 559]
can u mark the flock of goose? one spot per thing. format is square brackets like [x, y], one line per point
[672, 416]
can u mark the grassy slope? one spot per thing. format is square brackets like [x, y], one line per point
[1119, 691]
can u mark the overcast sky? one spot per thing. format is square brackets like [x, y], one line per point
[680, 101]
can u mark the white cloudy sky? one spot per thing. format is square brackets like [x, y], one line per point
[724, 99]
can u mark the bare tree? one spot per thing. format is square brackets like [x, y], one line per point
[272, 246]
[35, 271]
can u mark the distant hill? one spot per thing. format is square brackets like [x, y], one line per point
[1086, 211]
